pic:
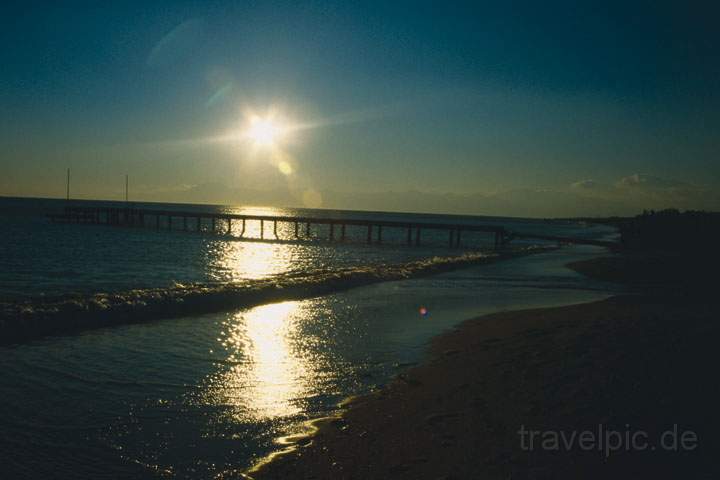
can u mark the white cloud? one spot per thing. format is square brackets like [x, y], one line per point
[643, 180]
[585, 184]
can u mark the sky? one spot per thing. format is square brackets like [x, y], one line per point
[500, 108]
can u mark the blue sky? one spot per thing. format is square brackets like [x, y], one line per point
[485, 107]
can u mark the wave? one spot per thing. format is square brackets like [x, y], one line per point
[29, 319]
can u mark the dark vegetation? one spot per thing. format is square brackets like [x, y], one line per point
[669, 251]
[667, 230]
[671, 230]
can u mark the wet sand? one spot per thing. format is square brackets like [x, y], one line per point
[637, 366]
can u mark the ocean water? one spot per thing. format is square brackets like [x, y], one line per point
[207, 394]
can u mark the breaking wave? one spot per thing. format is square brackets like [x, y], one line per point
[43, 316]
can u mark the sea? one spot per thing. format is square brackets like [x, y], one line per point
[205, 374]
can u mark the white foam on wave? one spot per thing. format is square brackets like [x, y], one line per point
[43, 315]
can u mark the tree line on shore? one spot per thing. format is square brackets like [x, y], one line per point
[667, 230]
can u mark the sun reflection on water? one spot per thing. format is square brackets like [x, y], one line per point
[243, 260]
[236, 260]
[268, 369]
[267, 376]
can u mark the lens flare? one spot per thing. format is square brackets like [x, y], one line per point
[285, 168]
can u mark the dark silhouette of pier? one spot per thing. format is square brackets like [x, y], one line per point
[222, 223]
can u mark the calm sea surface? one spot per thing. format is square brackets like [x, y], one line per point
[206, 396]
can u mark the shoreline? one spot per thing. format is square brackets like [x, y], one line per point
[317, 426]
[569, 368]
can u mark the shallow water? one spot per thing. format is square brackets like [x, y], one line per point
[205, 396]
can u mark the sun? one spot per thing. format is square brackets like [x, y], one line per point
[264, 132]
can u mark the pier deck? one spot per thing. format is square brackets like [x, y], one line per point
[337, 227]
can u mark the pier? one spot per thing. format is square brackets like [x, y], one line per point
[301, 226]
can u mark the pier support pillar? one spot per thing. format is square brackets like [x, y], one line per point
[169, 222]
[457, 238]
[332, 232]
[379, 236]
[229, 232]
[342, 232]
[451, 240]
[307, 229]
[198, 225]
[185, 222]
[242, 232]
[369, 235]
[417, 237]
[213, 224]
[275, 229]
[262, 228]
[296, 230]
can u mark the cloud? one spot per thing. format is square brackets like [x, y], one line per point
[641, 191]
[642, 180]
[585, 184]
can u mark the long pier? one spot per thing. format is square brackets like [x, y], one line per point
[222, 223]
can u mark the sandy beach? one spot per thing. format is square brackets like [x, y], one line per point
[632, 376]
